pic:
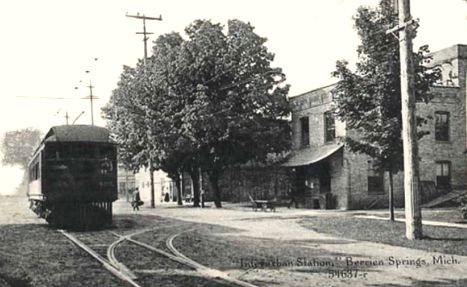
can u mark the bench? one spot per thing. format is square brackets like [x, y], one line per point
[264, 205]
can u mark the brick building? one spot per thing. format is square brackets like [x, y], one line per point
[329, 175]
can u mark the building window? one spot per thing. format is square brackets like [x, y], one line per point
[442, 126]
[375, 179]
[329, 126]
[305, 131]
[443, 174]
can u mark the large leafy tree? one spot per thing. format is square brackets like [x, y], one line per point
[127, 119]
[234, 99]
[171, 148]
[19, 145]
[369, 98]
[209, 101]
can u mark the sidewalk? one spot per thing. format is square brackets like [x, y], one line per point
[424, 222]
[283, 226]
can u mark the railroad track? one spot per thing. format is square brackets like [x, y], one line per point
[121, 271]
[105, 263]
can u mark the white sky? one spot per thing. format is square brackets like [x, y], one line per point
[46, 47]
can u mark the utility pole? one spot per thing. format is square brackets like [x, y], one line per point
[91, 97]
[145, 33]
[66, 117]
[145, 41]
[413, 217]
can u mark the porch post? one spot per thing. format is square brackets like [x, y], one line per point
[348, 182]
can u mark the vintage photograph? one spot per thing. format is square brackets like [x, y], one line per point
[233, 143]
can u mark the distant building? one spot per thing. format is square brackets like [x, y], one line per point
[162, 185]
[126, 181]
[328, 175]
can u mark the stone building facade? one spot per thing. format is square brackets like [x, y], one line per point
[328, 175]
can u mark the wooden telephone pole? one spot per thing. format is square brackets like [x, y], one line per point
[145, 33]
[413, 217]
[145, 40]
[91, 97]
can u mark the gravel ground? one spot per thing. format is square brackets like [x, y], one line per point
[446, 240]
[266, 236]
[264, 248]
[34, 255]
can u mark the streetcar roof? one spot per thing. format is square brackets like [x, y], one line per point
[75, 133]
[78, 133]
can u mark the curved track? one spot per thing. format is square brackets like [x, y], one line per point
[209, 272]
[124, 273]
[106, 264]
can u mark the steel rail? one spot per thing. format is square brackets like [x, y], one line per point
[204, 269]
[113, 260]
[107, 265]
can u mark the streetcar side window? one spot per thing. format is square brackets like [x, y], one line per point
[31, 174]
[38, 171]
[34, 172]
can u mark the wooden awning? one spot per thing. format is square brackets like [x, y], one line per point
[312, 154]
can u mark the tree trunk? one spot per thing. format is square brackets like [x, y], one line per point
[391, 196]
[178, 186]
[202, 191]
[151, 176]
[214, 179]
[194, 174]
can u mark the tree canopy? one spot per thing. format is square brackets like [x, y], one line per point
[369, 98]
[19, 145]
[204, 102]
[127, 119]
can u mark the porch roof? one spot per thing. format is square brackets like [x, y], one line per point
[311, 155]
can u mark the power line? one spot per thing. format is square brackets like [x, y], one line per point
[47, 98]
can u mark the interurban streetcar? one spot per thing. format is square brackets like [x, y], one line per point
[73, 177]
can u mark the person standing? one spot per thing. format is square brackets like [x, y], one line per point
[136, 200]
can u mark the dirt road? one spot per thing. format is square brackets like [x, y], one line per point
[373, 264]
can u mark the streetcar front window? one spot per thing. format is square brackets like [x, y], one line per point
[50, 152]
[106, 152]
[83, 151]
